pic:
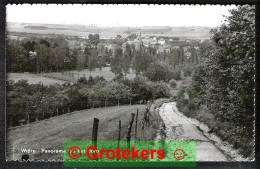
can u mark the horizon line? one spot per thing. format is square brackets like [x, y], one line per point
[96, 25]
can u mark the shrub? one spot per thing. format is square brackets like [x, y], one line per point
[98, 79]
[160, 90]
[176, 74]
[91, 80]
[58, 99]
[82, 80]
[158, 71]
[224, 83]
[173, 83]
[188, 71]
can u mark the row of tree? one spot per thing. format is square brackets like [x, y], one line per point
[31, 102]
[224, 82]
[49, 54]
[39, 55]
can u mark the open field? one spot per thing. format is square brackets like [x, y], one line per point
[51, 133]
[74, 75]
[108, 32]
[60, 78]
[33, 78]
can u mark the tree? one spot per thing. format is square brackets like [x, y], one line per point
[116, 62]
[227, 75]
[233, 63]
[126, 63]
[141, 62]
[132, 36]
[119, 36]
[81, 59]
[42, 57]
[94, 39]
[92, 59]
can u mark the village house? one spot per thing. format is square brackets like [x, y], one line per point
[113, 47]
[175, 47]
[161, 41]
[163, 49]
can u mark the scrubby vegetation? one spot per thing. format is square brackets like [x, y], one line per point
[32, 102]
[221, 91]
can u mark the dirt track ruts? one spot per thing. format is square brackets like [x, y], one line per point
[181, 128]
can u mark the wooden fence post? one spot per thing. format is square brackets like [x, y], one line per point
[145, 117]
[128, 137]
[146, 114]
[28, 118]
[119, 133]
[95, 132]
[57, 111]
[136, 121]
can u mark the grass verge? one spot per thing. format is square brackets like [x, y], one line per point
[225, 130]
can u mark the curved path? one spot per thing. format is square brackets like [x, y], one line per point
[181, 128]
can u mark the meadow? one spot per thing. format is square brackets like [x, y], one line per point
[50, 134]
[67, 76]
[33, 78]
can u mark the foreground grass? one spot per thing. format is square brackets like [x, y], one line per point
[50, 134]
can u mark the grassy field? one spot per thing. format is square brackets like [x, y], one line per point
[32, 78]
[67, 76]
[60, 78]
[51, 133]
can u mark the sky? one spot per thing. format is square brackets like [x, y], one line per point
[119, 15]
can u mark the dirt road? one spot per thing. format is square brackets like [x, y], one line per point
[182, 128]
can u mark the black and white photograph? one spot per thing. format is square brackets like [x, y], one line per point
[130, 73]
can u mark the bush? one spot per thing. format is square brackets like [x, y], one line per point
[99, 79]
[173, 83]
[82, 80]
[224, 83]
[91, 80]
[160, 90]
[158, 71]
[188, 71]
[57, 99]
[176, 74]
[141, 88]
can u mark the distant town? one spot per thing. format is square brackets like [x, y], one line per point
[163, 42]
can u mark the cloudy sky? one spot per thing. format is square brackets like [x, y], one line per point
[120, 15]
